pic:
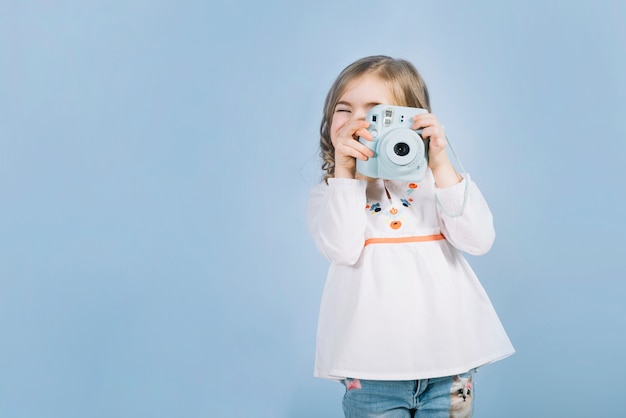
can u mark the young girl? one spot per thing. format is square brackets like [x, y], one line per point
[404, 322]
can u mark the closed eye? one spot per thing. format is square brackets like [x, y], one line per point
[343, 106]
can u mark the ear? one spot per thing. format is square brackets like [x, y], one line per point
[457, 378]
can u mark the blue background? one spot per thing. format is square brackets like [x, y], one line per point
[155, 159]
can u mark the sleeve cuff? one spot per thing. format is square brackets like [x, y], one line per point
[452, 198]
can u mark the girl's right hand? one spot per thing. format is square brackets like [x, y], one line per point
[348, 148]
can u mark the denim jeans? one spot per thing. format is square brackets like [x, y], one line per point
[443, 397]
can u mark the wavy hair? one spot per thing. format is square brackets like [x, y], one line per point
[406, 85]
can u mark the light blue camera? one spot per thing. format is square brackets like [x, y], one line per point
[400, 153]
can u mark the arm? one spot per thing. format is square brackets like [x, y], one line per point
[472, 230]
[443, 171]
[336, 219]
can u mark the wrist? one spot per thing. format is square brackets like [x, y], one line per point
[445, 174]
[439, 159]
[344, 173]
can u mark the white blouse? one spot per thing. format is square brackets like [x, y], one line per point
[400, 301]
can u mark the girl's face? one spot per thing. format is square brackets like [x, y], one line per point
[357, 99]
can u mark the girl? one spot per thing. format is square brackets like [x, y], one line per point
[404, 322]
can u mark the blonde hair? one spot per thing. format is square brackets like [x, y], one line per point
[406, 85]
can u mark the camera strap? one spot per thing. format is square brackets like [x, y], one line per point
[465, 194]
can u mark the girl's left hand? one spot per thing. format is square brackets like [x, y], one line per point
[432, 129]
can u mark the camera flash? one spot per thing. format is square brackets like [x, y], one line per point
[388, 117]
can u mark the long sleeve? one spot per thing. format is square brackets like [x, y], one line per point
[472, 230]
[336, 219]
[390, 310]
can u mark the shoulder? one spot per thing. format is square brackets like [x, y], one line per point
[338, 183]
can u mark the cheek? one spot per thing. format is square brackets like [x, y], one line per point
[336, 124]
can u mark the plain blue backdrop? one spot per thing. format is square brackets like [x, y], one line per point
[155, 160]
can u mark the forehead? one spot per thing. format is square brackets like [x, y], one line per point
[367, 88]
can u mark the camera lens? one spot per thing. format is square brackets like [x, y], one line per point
[401, 149]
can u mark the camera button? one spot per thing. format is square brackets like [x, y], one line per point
[374, 133]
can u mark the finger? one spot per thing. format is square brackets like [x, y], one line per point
[354, 154]
[364, 133]
[424, 120]
[432, 132]
[355, 149]
[349, 130]
[355, 125]
[436, 141]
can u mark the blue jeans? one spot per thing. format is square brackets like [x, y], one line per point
[443, 397]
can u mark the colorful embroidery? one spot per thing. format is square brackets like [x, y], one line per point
[375, 208]
[394, 214]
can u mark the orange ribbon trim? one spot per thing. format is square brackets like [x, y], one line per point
[402, 240]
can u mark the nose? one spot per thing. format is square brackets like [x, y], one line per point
[360, 114]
